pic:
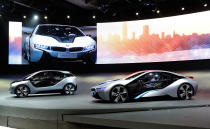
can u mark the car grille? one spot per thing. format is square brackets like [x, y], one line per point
[75, 49]
[60, 49]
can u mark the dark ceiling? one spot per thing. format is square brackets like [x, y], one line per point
[103, 10]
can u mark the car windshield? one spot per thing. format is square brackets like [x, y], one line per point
[27, 76]
[60, 31]
[131, 76]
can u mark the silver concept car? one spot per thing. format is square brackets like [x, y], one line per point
[148, 83]
[59, 42]
[45, 81]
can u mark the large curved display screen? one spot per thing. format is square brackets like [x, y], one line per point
[177, 38]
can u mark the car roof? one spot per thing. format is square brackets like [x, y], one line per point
[62, 71]
[148, 71]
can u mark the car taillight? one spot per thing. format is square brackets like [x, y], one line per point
[190, 77]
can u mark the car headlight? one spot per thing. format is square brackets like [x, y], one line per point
[101, 88]
[39, 46]
[89, 47]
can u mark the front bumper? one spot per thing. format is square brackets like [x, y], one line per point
[99, 94]
[94, 93]
[12, 90]
[38, 54]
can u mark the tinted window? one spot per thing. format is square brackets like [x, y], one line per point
[151, 80]
[57, 76]
[151, 77]
[166, 76]
[40, 80]
[27, 76]
[47, 78]
[38, 76]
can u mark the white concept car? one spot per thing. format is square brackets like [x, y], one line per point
[46, 81]
[148, 83]
[61, 43]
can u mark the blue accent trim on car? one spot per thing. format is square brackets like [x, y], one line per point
[101, 88]
[142, 94]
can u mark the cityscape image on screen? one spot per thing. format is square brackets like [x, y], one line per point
[185, 37]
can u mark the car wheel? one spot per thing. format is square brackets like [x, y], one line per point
[185, 91]
[92, 58]
[22, 91]
[24, 54]
[45, 59]
[69, 89]
[28, 57]
[119, 94]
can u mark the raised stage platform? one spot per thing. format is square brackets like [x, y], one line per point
[55, 111]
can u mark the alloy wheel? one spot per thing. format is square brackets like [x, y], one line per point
[69, 89]
[185, 92]
[28, 56]
[119, 94]
[22, 91]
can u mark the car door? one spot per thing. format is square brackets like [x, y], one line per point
[41, 79]
[133, 87]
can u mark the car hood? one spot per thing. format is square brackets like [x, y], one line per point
[20, 80]
[16, 81]
[64, 39]
[50, 41]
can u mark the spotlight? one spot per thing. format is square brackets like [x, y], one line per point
[24, 17]
[45, 9]
[147, 4]
[182, 8]
[45, 17]
[94, 17]
[158, 11]
[2, 6]
[68, 17]
[0, 15]
[36, 17]
[137, 13]
[205, 5]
